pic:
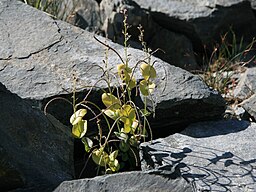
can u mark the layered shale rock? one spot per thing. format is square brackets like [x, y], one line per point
[176, 48]
[36, 152]
[129, 181]
[43, 62]
[214, 156]
[203, 21]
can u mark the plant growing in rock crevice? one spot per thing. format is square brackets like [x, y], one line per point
[227, 58]
[125, 122]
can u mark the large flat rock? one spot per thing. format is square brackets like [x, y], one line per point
[36, 152]
[21, 39]
[214, 156]
[203, 21]
[183, 98]
[40, 74]
[82, 13]
[127, 182]
[177, 48]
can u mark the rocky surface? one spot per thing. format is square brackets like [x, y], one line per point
[199, 22]
[247, 85]
[127, 182]
[185, 30]
[253, 4]
[18, 38]
[240, 91]
[214, 156]
[203, 21]
[81, 13]
[177, 48]
[40, 74]
[36, 152]
[176, 93]
[249, 105]
[42, 58]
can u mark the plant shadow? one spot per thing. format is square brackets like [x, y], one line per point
[207, 169]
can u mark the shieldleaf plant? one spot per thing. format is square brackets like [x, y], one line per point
[121, 124]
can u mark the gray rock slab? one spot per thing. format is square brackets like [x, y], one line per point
[36, 152]
[214, 156]
[250, 106]
[127, 182]
[19, 39]
[50, 72]
[180, 9]
[203, 21]
[112, 20]
[82, 13]
[176, 93]
[177, 48]
[253, 4]
[247, 84]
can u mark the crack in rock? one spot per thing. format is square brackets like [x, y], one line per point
[20, 40]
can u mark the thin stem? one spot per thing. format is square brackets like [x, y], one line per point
[56, 98]
[144, 119]
[109, 133]
[109, 48]
[135, 157]
[84, 166]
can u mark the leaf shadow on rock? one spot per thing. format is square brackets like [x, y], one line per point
[207, 169]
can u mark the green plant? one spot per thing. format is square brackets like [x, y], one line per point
[224, 61]
[124, 122]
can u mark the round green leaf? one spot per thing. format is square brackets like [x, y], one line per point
[132, 83]
[113, 155]
[125, 75]
[147, 71]
[111, 101]
[114, 165]
[77, 116]
[128, 112]
[146, 87]
[121, 68]
[87, 143]
[79, 129]
[100, 157]
[127, 126]
[111, 113]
